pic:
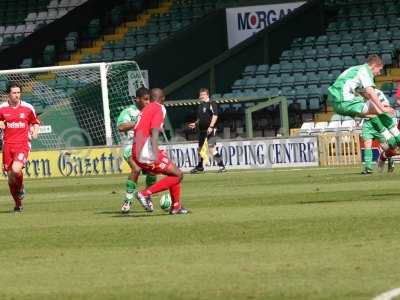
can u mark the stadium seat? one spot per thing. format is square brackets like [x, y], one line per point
[299, 79]
[274, 69]
[262, 82]
[249, 70]
[262, 70]
[274, 81]
[287, 80]
[286, 67]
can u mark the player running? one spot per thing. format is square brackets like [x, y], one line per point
[345, 100]
[126, 122]
[20, 124]
[369, 133]
[147, 155]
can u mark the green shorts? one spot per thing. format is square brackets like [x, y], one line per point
[370, 133]
[351, 108]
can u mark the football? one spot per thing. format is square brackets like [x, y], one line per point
[165, 202]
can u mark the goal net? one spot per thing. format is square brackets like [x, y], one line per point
[76, 104]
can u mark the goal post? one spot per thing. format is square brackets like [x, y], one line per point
[77, 104]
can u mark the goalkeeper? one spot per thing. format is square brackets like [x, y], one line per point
[369, 133]
[126, 122]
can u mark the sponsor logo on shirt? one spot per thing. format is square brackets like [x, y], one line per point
[16, 125]
[22, 115]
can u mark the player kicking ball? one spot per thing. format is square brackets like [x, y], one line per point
[126, 122]
[20, 124]
[147, 155]
[346, 101]
[369, 133]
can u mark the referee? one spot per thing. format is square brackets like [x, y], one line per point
[207, 116]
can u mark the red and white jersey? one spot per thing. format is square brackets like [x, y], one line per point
[17, 121]
[151, 117]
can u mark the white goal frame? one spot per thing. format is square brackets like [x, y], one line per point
[103, 67]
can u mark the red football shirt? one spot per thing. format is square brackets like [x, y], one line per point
[398, 91]
[152, 116]
[17, 121]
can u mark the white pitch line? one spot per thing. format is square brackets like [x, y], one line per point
[389, 295]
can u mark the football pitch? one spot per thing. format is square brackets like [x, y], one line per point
[287, 234]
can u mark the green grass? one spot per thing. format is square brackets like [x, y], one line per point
[289, 234]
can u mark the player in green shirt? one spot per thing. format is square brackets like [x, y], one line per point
[369, 133]
[346, 101]
[126, 122]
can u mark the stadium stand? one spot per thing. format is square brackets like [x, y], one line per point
[136, 34]
[309, 66]
[19, 19]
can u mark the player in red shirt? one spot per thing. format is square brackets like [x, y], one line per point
[20, 124]
[149, 157]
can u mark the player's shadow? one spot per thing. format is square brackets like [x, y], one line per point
[6, 211]
[131, 214]
[385, 195]
[140, 215]
[374, 196]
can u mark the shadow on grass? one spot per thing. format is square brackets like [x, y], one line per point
[6, 211]
[131, 214]
[365, 198]
[140, 215]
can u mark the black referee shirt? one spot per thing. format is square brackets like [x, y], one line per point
[205, 113]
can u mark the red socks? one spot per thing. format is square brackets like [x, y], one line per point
[388, 153]
[169, 182]
[15, 187]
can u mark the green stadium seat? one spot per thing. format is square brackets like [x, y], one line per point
[299, 79]
[262, 82]
[334, 39]
[322, 53]
[298, 54]
[312, 78]
[347, 49]
[346, 38]
[387, 59]
[238, 84]
[297, 43]
[286, 67]
[287, 80]
[323, 64]
[301, 92]
[372, 37]
[325, 77]
[349, 61]
[249, 70]
[274, 81]
[130, 53]
[299, 66]
[262, 70]
[309, 41]
[321, 41]
[274, 69]
[286, 55]
[250, 83]
[311, 65]
[310, 54]
[337, 64]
